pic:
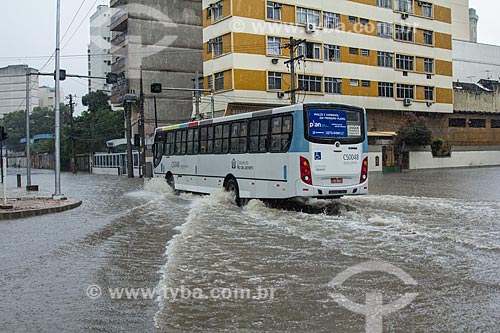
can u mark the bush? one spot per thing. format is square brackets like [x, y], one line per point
[440, 148]
[414, 132]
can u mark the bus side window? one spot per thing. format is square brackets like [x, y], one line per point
[286, 137]
[190, 137]
[210, 144]
[254, 136]
[235, 137]
[178, 142]
[276, 135]
[184, 142]
[170, 143]
[243, 138]
[225, 138]
[196, 141]
[264, 136]
[218, 139]
[203, 140]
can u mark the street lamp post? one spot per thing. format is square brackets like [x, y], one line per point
[28, 153]
[57, 193]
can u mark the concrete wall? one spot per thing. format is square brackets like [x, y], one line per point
[477, 101]
[459, 158]
[383, 120]
[106, 171]
[374, 153]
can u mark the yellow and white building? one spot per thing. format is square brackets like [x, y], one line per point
[380, 54]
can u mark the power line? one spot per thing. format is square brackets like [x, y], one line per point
[73, 20]
[76, 30]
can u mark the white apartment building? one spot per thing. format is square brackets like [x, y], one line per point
[13, 88]
[46, 96]
[99, 51]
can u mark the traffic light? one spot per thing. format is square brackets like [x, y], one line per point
[3, 134]
[112, 78]
[137, 140]
[156, 88]
[62, 74]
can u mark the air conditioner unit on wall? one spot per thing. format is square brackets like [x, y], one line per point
[310, 28]
[407, 102]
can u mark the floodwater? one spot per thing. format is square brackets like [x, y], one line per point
[198, 263]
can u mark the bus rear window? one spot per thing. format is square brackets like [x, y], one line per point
[335, 124]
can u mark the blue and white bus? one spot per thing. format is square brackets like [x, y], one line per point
[306, 150]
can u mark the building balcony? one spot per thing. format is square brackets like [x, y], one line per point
[118, 65]
[117, 3]
[119, 39]
[119, 21]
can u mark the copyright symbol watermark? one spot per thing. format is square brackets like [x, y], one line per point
[237, 26]
[374, 309]
[94, 292]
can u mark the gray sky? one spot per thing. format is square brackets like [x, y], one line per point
[28, 35]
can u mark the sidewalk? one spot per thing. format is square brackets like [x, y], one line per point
[28, 204]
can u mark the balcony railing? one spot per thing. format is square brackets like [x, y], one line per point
[119, 39]
[119, 15]
[115, 3]
[118, 65]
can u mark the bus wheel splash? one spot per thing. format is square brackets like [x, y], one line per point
[326, 207]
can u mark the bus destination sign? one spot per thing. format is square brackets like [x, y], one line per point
[328, 123]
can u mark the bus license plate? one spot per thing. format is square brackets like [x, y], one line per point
[337, 180]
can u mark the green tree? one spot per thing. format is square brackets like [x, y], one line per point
[414, 131]
[15, 125]
[96, 101]
[98, 124]
[41, 122]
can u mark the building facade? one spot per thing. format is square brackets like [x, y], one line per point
[460, 19]
[47, 97]
[475, 61]
[392, 56]
[160, 41]
[13, 88]
[99, 51]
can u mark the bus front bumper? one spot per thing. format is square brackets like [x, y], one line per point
[304, 190]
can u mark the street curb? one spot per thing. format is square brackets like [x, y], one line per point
[37, 212]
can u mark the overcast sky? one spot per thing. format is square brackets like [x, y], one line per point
[28, 34]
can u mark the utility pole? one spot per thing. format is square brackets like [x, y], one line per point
[196, 96]
[130, 158]
[212, 102]
[292, 46]
[142, 131]
[156, 112]
[128, 99]
[72, 135]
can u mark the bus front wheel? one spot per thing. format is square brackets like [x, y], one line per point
[232, 187]
[171, 181]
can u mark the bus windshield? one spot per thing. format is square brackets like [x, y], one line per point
[327, 125]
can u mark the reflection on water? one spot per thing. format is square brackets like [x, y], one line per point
[441, 227]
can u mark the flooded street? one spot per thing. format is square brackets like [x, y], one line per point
[202, 264]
